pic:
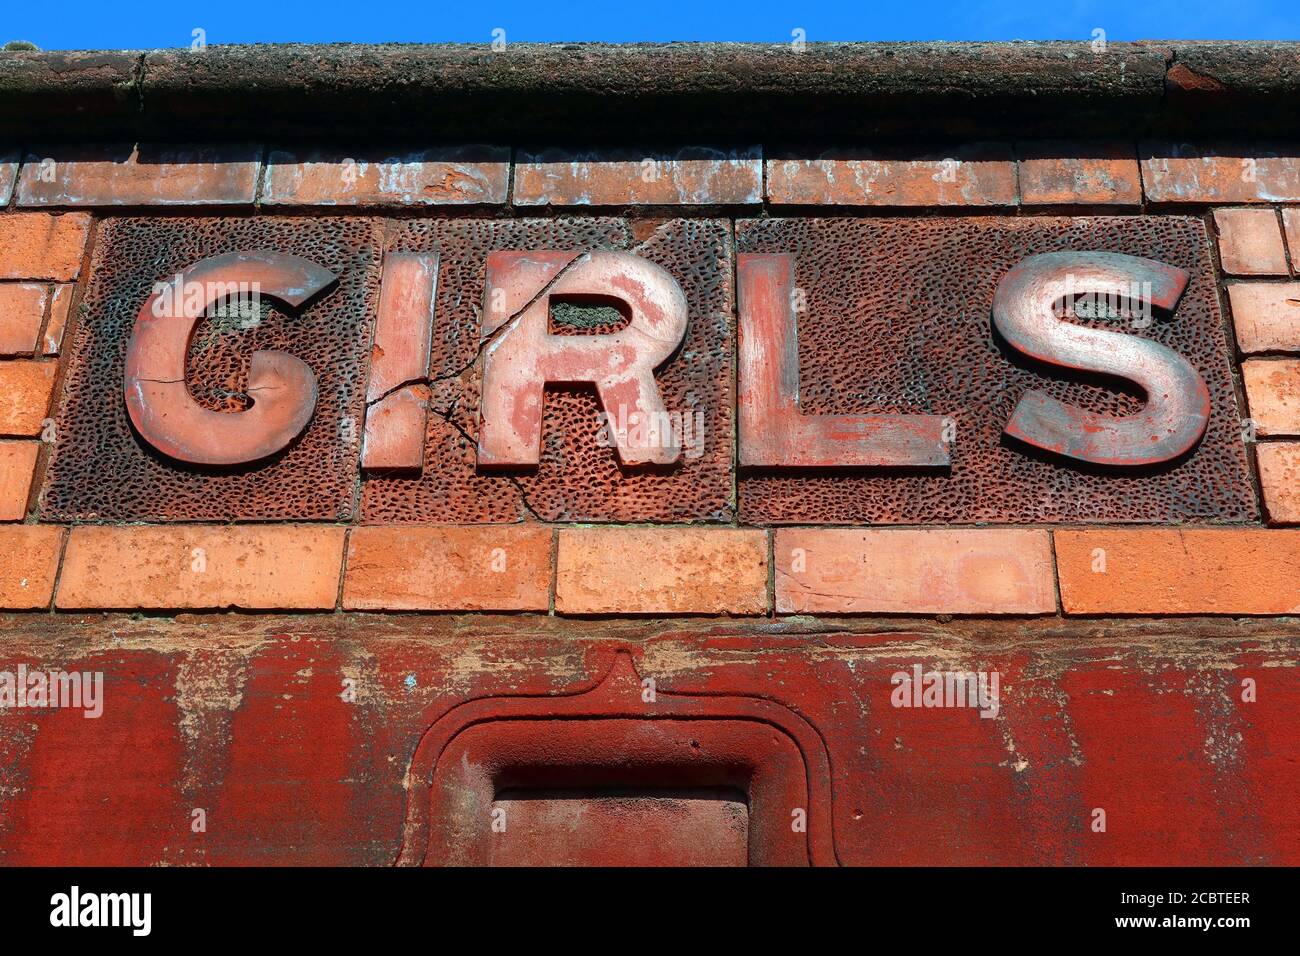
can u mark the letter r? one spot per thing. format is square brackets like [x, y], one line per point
[523, 356]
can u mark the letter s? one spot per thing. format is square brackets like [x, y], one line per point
[1178, 401]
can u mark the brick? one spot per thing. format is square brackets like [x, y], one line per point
[39, 245]
[17, 469]
[1266, 316]
[1218, 173]
[661, 571]
[687, 176]
[428, 177]
[981, 174]
[1291, 229]
[505, 568]
[8, 175]
[1273, 393]
[60, 308]
[22, 308]
[286, 567]
[1172, 571]
[1279, 476]
[1063, 173]
[144, 175]
[1250, 242]
[940, 571]
[29, 562]
[25, 391]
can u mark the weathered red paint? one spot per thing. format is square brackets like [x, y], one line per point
[1177, 409]
[246, 717]
[773, 432]
[620, 733]
[160, 406]
[521, 355]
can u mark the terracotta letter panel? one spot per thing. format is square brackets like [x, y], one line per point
[897, 319]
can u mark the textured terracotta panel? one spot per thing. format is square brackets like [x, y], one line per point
[577, 479]
[102, 471]
[898, 321]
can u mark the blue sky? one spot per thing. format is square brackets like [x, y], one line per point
[81, 24]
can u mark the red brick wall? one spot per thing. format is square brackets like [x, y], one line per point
[1142, 623]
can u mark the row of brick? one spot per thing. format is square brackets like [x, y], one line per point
[43, 253]
[678, 570]
[1263, 244]
[975, 174]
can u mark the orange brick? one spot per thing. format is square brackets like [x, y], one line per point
[25, 391]
[1291, 229]
[403, 568]
[1266, 316]
[39, 245]
[29, 561]
[1175, 571]
[287, 567]
[1218, 173]
[17, 468]
[147, 175]
[1273, 392]
[661, 571]
[1250, 242]
[690, 176]
[60, 307]
[440, 176]
[975, 175]
[1279, 476]
[939, 571]
[22, 308]
[1079, 173]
